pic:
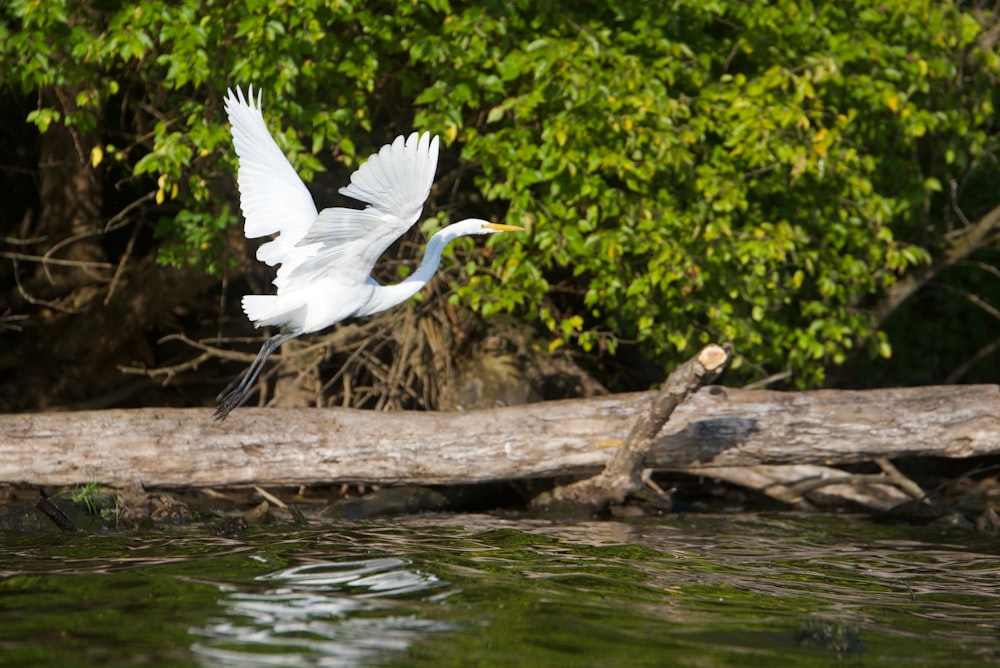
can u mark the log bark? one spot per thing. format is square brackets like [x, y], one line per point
[715, 427]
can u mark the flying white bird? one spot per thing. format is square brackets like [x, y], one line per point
[326, 257]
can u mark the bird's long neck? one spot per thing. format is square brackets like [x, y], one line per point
[387, 296]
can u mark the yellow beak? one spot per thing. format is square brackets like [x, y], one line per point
[500, 227]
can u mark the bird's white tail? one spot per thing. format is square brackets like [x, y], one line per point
[267, 310]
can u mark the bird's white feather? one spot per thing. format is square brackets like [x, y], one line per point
[394, 183]
[332, 247]
[325, 257]
[267, 310]
[397, 179]
[272, 196]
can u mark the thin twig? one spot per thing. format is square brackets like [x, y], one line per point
[764, 382]
[15, 241]
[803, 488]
[221, 353]
[119, 219]
[343, 367]
[270, 497]
[168, 371]
[47, 257]
[974, 299]
[900, 480]
[977, 357]
[80, 264]
[7, 320]
[989, 268]
[120, 269]
[38, 302]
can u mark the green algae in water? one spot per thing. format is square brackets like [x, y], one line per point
[99, 619]
[477, 590]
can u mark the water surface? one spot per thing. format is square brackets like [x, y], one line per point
[459, 590]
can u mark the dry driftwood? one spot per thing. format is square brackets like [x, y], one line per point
[794, 484]
[799, 485]
[715, 427]
[623, 474]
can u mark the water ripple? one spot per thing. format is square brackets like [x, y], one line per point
[325, 613]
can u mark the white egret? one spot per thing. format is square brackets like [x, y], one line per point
[326, 257]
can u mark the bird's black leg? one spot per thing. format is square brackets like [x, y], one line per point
[238, 395]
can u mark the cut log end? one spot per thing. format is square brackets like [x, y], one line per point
[713, 356]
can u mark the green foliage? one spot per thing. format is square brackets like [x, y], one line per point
[100, 501]
[756, 172]
[727, 171]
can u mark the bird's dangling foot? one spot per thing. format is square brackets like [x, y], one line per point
[238, 395]
[229, 402]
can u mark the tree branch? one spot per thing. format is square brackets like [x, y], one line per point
[972, 239]
[623, 474]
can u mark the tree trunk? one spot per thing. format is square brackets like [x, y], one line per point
[71, 198]
[715, 427]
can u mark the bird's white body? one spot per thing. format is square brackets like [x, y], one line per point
[326, 257]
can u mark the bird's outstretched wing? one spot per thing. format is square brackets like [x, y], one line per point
[396, 180]
[394, 183]
[272, 196]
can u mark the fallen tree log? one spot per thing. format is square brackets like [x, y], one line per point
[715, 427]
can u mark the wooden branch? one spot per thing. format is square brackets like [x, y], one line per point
[798, 484]
[972, 239]
[715, 427]
[623, 474]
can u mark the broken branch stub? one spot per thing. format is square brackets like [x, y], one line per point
[623, 474]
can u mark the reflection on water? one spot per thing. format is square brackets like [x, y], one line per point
[481, 590]
[318, 614]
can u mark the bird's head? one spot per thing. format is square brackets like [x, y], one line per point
[480, 226]
[471, 226]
